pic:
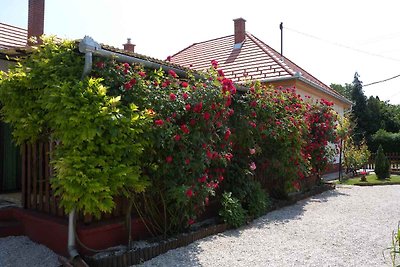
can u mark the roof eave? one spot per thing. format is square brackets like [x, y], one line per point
[338, 97]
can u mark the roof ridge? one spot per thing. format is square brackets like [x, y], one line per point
[291, 62]
[273, 56]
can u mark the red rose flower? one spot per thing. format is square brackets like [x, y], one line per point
[206, 116]
[185, 129]
[187, 107]
[169, 159]
[172, 73]
[202, 179]
[172, 96]
[185, 96]
[184, 84]
[214, 63]
[127, 86]
[227, 134]
[142, 73]
[187, 161]
[189, 192]
[177, 137]
[158, 122]
[191, 221]
[168, 58]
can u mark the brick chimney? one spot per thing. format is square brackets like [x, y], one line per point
[240, 30]
[129, 46]
[36, 18]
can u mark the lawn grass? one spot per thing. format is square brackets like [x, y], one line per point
[372, 180]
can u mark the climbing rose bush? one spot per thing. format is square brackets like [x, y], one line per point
[269, 130]
[190, 135]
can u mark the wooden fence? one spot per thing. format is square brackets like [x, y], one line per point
[36, 190]
[394, 159]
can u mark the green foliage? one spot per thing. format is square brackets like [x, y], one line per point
[359, 109]
[390, 142]
[268, 138]
[190, 135]
[343, 90]
[394, 250]
[257, 201]
[232, 211]
[100, 139]
[382, 164]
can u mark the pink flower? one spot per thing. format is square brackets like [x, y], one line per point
[177, 137]
[252, 151]
[253, 166]
[172, 96]
[142, 73]
[252, 124]
[185, 96]
[228, 156]
[169, 159]
[158, 122]
[172, 73]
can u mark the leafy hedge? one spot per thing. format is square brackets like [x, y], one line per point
[390, 142]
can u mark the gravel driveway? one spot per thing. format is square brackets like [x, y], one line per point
[349, 226]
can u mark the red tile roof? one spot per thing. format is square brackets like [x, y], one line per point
[253, 61]
[11, 36]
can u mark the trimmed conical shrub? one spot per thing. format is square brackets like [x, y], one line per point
[382, 164]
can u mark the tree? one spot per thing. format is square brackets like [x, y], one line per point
[382, 164]
[359, 110]
[343, 90]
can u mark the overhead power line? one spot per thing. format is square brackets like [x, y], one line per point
[342, 45]
[385, 80]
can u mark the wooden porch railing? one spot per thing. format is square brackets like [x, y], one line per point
[37, 193]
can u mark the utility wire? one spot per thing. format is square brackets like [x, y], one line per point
[385, 80]
[342, 45]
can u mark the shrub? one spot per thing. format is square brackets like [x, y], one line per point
[355, 157]
[382, 164]
[257, 202]
[232, 211]
[390, 142]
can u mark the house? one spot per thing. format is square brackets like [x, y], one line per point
[244, 57]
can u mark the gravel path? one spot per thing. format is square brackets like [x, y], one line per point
[20, 251]
[349, 226]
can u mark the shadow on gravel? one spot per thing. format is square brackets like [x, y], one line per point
[285, 214]
[280, 216]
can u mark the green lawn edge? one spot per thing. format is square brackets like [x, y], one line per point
[372, 180]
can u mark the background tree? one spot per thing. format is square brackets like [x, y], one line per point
[359, 110]
[343, 90]
[382, 164]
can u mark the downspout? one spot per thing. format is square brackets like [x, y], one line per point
[89, 47]
[72, 251]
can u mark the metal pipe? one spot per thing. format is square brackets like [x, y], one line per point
[71, 236]
[88, 45]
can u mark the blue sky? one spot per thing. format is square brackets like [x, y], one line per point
[330, 39]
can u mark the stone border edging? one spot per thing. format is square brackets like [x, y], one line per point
[140, 255]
